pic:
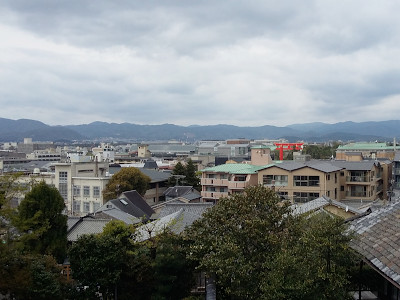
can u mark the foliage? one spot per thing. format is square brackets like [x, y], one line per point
[258, 250]
[189, 171]
[30, 276]
[154, 269]
[320, 151]
[126, 179]
[42, 223]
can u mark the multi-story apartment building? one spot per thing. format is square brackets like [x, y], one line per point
[396, 171]
[367, 150]
[301, 182]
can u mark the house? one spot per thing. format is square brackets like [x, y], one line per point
[187, 192]
[377, 240]
[130, 202]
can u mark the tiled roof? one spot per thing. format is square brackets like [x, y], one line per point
[175, 222]
[194, 208]
[177, 191]
[320, 203]
[86, 226]
[236, 169]
[364, 165]
[323, 166]
[365, 146]
[155, 175]
[378, 240]
[116, 214]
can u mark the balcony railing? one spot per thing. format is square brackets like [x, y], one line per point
[213, 195]
[234, 185]
[213, 181]
[358, 178]
[356, 194]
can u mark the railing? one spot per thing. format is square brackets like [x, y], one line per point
[358, 178]
[213, 181]
[356, 194]
[379, 188]
[233, 185]
[213, 195]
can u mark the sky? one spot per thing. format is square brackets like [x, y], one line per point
[200, 62]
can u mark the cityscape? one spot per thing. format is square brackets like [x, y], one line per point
[190, 150]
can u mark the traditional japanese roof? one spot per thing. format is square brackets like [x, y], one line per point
[155, 175]
[378, 240]
[236, 169]
[176, 222]
[320, 203]
[116, 214]
[194, 208]
[86, 225]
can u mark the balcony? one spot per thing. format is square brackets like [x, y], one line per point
[213, 195]
[358, 179]
[235, 185]
[356, 194]
[214, 182]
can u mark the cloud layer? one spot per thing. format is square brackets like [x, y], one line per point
[199, 62]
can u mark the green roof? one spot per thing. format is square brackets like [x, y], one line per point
[365, 146]
[235, 169]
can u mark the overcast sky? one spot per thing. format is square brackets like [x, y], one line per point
[247, 63]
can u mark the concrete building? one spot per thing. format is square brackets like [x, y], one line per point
[367, 150]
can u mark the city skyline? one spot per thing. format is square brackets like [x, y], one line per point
[185, 63]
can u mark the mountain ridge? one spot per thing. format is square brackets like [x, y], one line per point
[16, 130]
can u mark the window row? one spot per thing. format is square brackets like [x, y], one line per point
[282, 180]
[86, 191]
[85, 206]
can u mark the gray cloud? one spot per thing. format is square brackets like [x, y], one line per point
[199, 62]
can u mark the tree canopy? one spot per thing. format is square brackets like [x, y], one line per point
[42, 223]
[257, 249]
[126, 179]
[188, 171]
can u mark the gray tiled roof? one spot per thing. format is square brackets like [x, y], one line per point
[155, 175]
[378, 239]
[194, 208]
[364, 165]
[175, 222]
[320, 203]
[116, 214]
[86, 226]
[323, 166]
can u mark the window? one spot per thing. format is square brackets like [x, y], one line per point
[304, 197]
[96, 206]
[277, 180]
[223, 176]
[96, 191]
[86, 207]
[328, 177]
[77, 206]
[210, 189]
[341, 174]
[210, 175]
[86, 191]
[77, 190]
[306, 180]
[223, 190]
[342, 188]
[63, 185]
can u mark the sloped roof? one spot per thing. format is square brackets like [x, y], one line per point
[320, 203]
[116, 214]
[323, 166]
[364, 165]
[155, 175]
[194, 208]
[86, 226]
[176, 222]
[378, 240]
[180, 191]
[236, 169]
[136, 206]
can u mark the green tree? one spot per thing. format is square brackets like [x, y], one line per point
[191, 178]
[126, 179]
[42, 223]
[258, 249]
[179, 170]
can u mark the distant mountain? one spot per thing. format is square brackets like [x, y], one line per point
[16, 130]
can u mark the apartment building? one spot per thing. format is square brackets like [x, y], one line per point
[396, 171]
[301, 182]
[366, 150]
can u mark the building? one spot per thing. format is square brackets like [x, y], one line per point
[301, 182]
[367, 150]
[396, 170]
